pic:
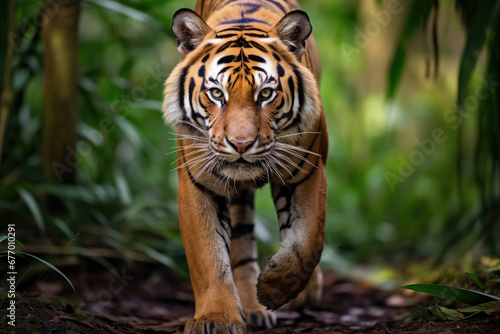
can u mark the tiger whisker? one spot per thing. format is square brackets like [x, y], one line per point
[197, 150]
[192, 153]
[180, 148]
[295, 148]
[290, 161]
[207, 165]
[296, 134]
[195, 138]
[275, 169]
[295, 154]
[195, 161]
[280, 163]
[193, 126]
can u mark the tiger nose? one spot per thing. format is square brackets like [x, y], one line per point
[240, 145]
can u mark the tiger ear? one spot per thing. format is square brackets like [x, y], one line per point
[293, 29]
[189, 29]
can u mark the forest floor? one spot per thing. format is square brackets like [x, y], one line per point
[113, 302]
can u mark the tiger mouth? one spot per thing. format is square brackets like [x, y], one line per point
[241, 163]
[242, 170]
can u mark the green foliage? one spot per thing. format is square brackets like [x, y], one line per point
[441, 313]
[418, 15]
[436, 313]
[6, 254]
[476, 281]
[481, 20]
[462, 295]
[481, 302]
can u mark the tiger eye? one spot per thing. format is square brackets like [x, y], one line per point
[216, 93]
[265, 93]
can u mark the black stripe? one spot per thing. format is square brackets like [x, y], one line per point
[300, 90]
[287, 193]
[300, 87]
[281, 104]
[224, 47]
[244, 20]
[277, 4]
[243, 262]
[288, 115]
[182, 82]
[260, 69]
[225, 35]
[224, 70]
[281, 71]
[256, 35]
[212, 80]
[226, 60]
[240, 42]
[241, 57]
[226, 243]
[224, 220]
[302, 162]
[245, 197]
[194, 114]
[241, 230]
[258, 46]
[201, 71]
[256, 58]
[204, 60]
[253, 7]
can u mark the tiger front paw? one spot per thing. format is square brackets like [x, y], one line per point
[281, 281]
[215, 323]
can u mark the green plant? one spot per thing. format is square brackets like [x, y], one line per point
[480, 301]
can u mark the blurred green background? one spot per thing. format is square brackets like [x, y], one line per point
[410, 178]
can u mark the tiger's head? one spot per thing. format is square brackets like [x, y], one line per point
[240, 93]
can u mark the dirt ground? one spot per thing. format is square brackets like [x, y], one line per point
[119, 302]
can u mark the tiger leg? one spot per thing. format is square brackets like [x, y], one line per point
[301, 214]
[205, 229]
[243, 257]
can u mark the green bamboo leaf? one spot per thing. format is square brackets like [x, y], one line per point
[58, 222]
[20, 244]
[3, 237]
[475, 280]
[32, 205]
[128, 11]
[417, 16]
[3, 254]
[466, 296]
[122, 187]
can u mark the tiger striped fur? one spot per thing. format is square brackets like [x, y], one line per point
[245, 103]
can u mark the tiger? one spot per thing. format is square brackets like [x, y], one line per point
[245, 104]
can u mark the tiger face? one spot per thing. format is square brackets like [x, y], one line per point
[241, 96]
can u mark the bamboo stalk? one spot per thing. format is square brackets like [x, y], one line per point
[7, 91]
[60, 79]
